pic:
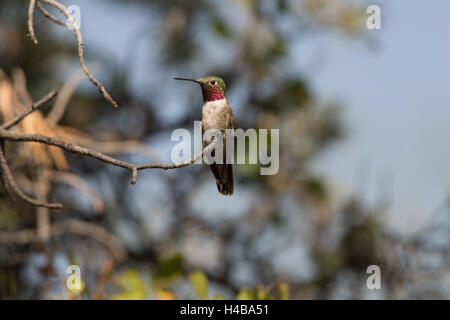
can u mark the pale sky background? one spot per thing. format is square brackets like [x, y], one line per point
[397, 107]
[395, 99]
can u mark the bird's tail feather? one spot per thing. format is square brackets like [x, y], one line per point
[224, 178]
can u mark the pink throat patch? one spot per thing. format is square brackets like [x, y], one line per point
[212, 95]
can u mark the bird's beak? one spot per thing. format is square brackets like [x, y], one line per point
[185, 79]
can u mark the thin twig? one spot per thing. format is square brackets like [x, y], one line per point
[57, 142]
[48, 15]
[43, 224]
[9, 180]
[16, 136]
[115, 147]
[20, 237]
[80, 44]
[35, 106]
[30, 21]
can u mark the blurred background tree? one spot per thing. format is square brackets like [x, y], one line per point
[172, 235]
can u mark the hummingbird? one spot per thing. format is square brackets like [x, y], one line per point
[217, 114]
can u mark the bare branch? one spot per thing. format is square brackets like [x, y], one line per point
[6, 134]
[18, 237]
[119, 147]
[16, 136]
[30, 23]
[48, 15]
[80, 45]
[41, 191]
[9, 180]
[177, 165]
[35, 106]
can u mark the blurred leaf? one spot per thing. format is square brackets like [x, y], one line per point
[133, 286]
[167, 271]
[170, 267]
[299, 92]
[75, 293]
[246, 294]
[352, 20]
[360, 243]
[316, 188]
[72, 259]
[164, 295]
[278, 49]
[200, 284]
[219, 297]
[251, 170]
[282, 5]
[220, 28]
[328, 266]
[283, 291]
[262, 293]
[259, 293]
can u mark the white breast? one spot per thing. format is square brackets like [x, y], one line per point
[209, 113]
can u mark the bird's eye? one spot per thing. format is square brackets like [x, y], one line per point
[213, 83]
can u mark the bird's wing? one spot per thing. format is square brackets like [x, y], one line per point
[227, 187]
[229, 118]
[224, 172]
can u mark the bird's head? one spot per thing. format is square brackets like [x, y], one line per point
[213, 88]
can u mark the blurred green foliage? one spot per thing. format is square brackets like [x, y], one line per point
[200, 284]
[132, 286]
